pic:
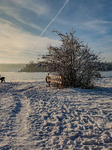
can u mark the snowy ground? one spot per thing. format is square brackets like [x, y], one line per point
[33, 116]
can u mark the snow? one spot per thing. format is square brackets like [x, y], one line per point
[34, 116]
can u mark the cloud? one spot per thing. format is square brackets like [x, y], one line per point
[20, 46]
[102, 45]
[16, 10]
[100, 26]
[8, 22]
[34, 6]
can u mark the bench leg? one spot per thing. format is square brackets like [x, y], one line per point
[59, 86]
[49, 84]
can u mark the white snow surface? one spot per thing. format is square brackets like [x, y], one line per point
[34, 116]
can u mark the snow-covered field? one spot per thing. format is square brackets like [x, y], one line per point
[33, 116]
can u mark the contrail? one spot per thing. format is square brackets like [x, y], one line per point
[54, 18]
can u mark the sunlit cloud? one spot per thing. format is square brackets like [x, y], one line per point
[16, 43]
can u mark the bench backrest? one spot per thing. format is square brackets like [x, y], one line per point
[52, 78]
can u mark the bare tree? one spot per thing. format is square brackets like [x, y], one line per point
[73, 60]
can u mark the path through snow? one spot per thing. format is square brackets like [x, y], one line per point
[33, 116]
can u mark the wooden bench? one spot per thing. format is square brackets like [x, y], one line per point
[52, 78]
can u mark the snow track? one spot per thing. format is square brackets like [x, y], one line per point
[33, 116]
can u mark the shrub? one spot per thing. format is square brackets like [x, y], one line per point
[73, 60]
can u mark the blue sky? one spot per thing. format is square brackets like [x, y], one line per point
[26, 26]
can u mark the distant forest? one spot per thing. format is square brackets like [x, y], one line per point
[11, 67]
[34, 67]
[40, 67]
[106, 66]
